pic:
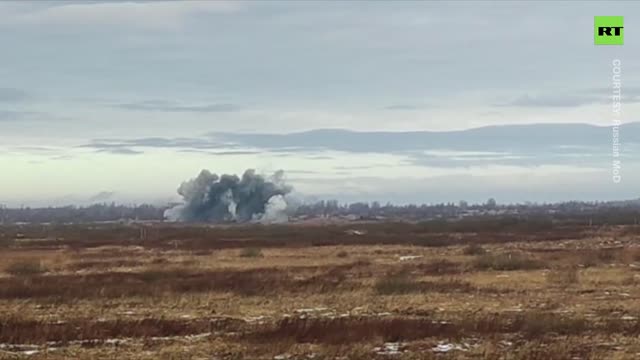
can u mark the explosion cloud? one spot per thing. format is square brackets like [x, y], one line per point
[213, 198]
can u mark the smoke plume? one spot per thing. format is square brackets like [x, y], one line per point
[213, 198]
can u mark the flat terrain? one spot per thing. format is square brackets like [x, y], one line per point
[486, 289]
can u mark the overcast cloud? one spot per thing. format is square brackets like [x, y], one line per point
[93, 79]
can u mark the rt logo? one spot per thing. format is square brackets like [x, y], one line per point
[608, 30]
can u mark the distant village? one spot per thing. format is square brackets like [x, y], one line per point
[330, 211]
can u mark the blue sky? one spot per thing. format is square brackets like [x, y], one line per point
[77, 76]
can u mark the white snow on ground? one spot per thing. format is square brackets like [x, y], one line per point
[23, 349]
[443, 347]
[389, 349]
[29, 349]
[409, 257]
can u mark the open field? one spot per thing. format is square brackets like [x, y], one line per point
[486, 289]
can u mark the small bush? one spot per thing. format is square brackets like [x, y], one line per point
[596, 257]
[634, 254]
[104, 265]
[560, 350]
[506, 262]
[203, 252]
[26, 268]
[251, 252]
[631, 280]
[608, 255]
[397, 284]
[153, 276]
[342, 254]
[5, 242]
[450, 286]
[439, 267]
[159, 261]
[535, 324]
[474, 249]
[564, 277]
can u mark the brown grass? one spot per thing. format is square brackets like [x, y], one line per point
[177, 281]
[104, 264]
[319, 292]
[28, 267]
[474, 249]
[19, 331]
[564, 277]
[532, 325]
[507, 262]
[438, 267]
[251, 252]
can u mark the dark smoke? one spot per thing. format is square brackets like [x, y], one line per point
[213, 198]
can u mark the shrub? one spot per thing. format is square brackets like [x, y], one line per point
[449, 286]
[397, 284]
[634, 254]
[631, 280]
[537, 324]
[474, 249]
[26, 268]
[203, 252]
[5, 242]
[564, 277]
[595, 257]
[506, 262]
[438, 267]
[560, 350]
[251, 252]
[153, 276]
[159, 261]
[342, 254]
[607, 255]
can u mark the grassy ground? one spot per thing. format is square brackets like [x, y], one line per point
[400, 291]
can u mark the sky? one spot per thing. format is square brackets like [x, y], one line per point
[358, 101]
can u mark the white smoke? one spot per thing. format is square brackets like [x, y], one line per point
[275, 211]
[227, 198]
[174, 213]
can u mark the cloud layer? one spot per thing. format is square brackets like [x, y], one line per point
[166, 87]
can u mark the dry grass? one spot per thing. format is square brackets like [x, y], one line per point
[26, 268]
[173, 281]
[18, 331]
[474, 249]
[399, 284]
[438, 267]
[251, 252]
[517, 292]
[507, 262]
[564, 277]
